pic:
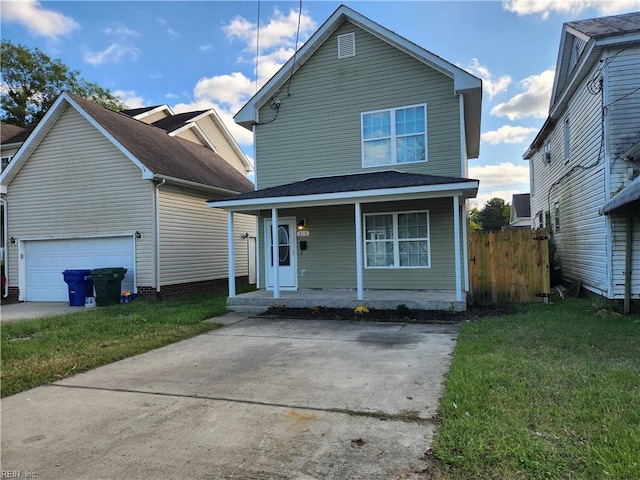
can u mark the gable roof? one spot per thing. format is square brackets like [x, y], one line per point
[158, 155]
[585, 40]
[133, 112]
[581, 45]
[520, 205]
[464, 83]
[343, 188]
[13, 134]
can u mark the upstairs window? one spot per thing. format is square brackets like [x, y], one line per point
[397, 135]
[5, 162]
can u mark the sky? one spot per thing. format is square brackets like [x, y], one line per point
[195, 55]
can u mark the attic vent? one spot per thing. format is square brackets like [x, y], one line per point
[347, 45]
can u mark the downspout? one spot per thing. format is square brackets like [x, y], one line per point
[158, 235]
[5, 243]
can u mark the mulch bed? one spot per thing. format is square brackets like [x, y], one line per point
[404, 315]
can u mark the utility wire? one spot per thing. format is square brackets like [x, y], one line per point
[295, 52]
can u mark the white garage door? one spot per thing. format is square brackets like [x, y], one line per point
[45, 260]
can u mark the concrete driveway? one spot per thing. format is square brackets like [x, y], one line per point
[259, 399]
[26, 310]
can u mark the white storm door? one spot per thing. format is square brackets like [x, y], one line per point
[286, 253]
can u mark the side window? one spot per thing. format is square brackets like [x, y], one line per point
[397, 240]
[567, 144]
[556, 217]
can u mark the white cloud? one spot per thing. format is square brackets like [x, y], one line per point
[546, 7]
[121, 31]
[113, 53]
[204, 48]
[508, 134]
[172, 32]
[534, 101]
[39, 21]
[506, 175]
[130, 98]
[228, 93]
[491, 85]
[172, 95]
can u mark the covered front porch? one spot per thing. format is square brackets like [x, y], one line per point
[260, 300]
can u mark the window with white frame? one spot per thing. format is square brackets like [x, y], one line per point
[547, 151]
[397, 135]
[556, 216]
[397, 240]
[5, 162]
[567, 145]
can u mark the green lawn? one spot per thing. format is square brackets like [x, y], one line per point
[552, 392]
[35, 352]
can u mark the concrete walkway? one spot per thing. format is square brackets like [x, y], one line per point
[26, 310]
[260, 399]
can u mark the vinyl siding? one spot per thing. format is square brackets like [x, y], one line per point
[216, 137]
[318, 129]
[154, 117]
[193, 238]
[77, 183]
[582, 239]
[189, 134]
[330, 258]
[623, 131]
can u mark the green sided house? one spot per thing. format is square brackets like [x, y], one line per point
[91, 188]
[362, 141]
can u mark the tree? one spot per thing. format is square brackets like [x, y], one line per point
[474, 220]
[31, 81]
[494, 215]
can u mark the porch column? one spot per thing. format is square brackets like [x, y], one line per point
[456, 249]
[231, 255]
[465, 248]
[275, 253]
[359, 251]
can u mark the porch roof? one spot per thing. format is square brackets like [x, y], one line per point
[390, 185]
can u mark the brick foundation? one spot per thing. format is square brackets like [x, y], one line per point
[179, 289]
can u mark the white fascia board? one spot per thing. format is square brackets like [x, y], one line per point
[198, 133]
[159, 108]
[579, 72]
[467, 189]
[33, 140]
[188, 183]
[145, 171]
[227, 135]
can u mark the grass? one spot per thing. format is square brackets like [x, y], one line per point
[36, 352]
[552, 392]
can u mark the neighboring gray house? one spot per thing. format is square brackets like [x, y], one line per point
[520, 216]
[587, 152]
[362, 141]
[91, 187]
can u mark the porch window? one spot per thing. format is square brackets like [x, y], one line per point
[397, 135]
[397, 240]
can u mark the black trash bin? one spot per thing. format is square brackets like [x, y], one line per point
[80, 286]
[108, 282]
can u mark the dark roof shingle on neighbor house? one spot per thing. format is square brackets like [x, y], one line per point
[164, 155]
[132, 112]
[13, 133]
[606, 26]
[520, 203]
[389, 179]
[176, 121]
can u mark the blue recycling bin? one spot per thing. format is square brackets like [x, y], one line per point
[80, 286]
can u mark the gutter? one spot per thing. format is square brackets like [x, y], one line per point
[5, 243]
[199, 186]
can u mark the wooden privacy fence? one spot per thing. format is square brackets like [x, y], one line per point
[509, 267]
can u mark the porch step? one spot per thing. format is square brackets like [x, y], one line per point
[254, 309]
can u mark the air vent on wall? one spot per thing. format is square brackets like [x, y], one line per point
[347, 45]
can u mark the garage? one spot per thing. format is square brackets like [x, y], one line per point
[45, 260]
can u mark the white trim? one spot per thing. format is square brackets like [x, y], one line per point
[275, 253]
[198, 133]
[258, 257]
[326, 199]
[159, 108]
[393, 136]
[347, 40]
[231, 256]
[248, 166]
[465, 247]
[359, 256]
[456, 247]
[291, 221]
[396, 240]
[463, 137]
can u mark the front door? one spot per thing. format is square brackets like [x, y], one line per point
[286, 253]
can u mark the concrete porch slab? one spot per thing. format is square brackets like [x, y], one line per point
[345, 298]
